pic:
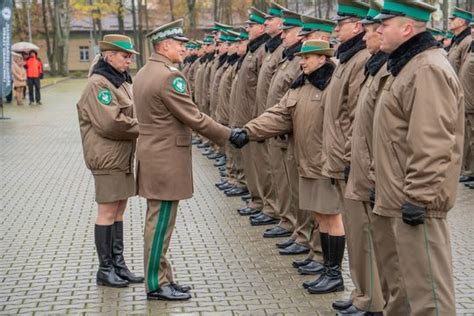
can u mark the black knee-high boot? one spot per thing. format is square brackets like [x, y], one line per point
[332, 280]
[325, 248]
[117, 255]
[103, 242]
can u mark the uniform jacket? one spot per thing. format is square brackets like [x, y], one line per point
[167, 116]
[246, 85]
[273, 57]
[286, 72]
[342, 98]
[361, 178]
[191, 74]
[221, 66]
[19, 75]
[466, 76]
[227, 90]
[198, 80]
[107, 122]
[300, 112]
[206, 84]
[418, 131]
[459, 49]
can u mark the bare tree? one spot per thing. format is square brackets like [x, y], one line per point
[192, 15]
[120, 16]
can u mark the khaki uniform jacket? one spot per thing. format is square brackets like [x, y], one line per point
[214, 89]
[108, 131]
[273, 58]
[246, 85]
[206, 84]
[227, 93]
[361, 179]
[418, 137]
[342, 99]
[19, 75]
[167, 117]
[459, 50]
[192, 74]
[198, 81]
[300, 112]
[466, 76]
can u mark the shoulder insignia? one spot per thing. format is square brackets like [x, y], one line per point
[179, 85]
[104, 96]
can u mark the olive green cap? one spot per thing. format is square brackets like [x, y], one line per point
[316, 47]
[172, 30]
[416, 10]
[208, 39]
[351, 9]
[460, 13]
[220, 27]
[435, 32]
[255, 16]
[117, 42]
[291, 19]
[312, 24]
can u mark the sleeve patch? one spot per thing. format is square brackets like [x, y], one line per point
[179, 85]
[104, 96]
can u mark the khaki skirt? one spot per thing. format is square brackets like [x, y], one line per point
[319, 195]
[114, 187]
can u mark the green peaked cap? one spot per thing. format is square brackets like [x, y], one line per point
[435, 32]
[416, 10]
[291, 19]
[351, 9]
[274, 10]
[172, 30]
[375, 8]
[255, 16]
[460, 13]
[219, 27]
[312, 24]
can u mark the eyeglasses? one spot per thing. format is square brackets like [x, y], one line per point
[343, 22]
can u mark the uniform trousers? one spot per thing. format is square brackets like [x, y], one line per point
[251, 176]
[415, 265]
[159, 225]
[357, 219]
[264, 181]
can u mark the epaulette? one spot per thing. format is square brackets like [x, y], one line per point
[171, 68]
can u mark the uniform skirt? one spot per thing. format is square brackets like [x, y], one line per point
[319, 195]
[114, 187]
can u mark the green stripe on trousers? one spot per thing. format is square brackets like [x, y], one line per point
[157, 246]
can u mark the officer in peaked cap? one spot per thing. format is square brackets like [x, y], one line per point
[347, 9]
[416, 190]
[166, 115]
[313, 25]
[274, 10]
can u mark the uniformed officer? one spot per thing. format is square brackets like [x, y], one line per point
[459, 25]
[166, 115]
[287, 71]
[343, 94]
[466, 75]
[361, 179]
[300, 112]
[418, 138]
[261, 155]
[108, 131]
[243, 106]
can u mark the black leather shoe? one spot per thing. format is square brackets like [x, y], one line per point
[312, 268]
[220, 183]
[181, 288]
[263, 220]
[220, 163]
[207, 152]
[341, 305]
[466, 179]
[203, 145]
[246, 197]
[223, 168]
[237, 192]
[331, 282]
[471, 186]
[468, 184]
[255, 216]
[214, 155]
[196, 141]
[223, 174]
[299, 263]
[352, 310]
[168, 293]
[308, 284]
[225, 186]
[294, 249]
[285, 244]
[276, 232]
[248, 211]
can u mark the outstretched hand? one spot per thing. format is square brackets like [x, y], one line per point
[238, 137]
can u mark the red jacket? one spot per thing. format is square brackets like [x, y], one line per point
[34, 67]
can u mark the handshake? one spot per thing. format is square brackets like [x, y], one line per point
[239, 137]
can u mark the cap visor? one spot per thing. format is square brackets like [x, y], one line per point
[180, 38]
[367, 22]
[287, 27]
[304, 33]
[384, 16]
[338, 18]
[326, 52]
[250, 22]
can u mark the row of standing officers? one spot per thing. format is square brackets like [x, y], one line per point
[361, 145]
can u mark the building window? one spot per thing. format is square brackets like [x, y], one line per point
[84, 53]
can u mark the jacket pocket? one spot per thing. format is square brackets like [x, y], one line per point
[183, 141]
[396, 163]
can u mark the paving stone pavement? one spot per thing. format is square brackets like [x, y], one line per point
[47, 213]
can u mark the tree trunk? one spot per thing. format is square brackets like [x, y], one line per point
[147, 26]
[328, 8]
[120, 17]
[140, 35]
[171, 9]
[49, 49]
[192, 16]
